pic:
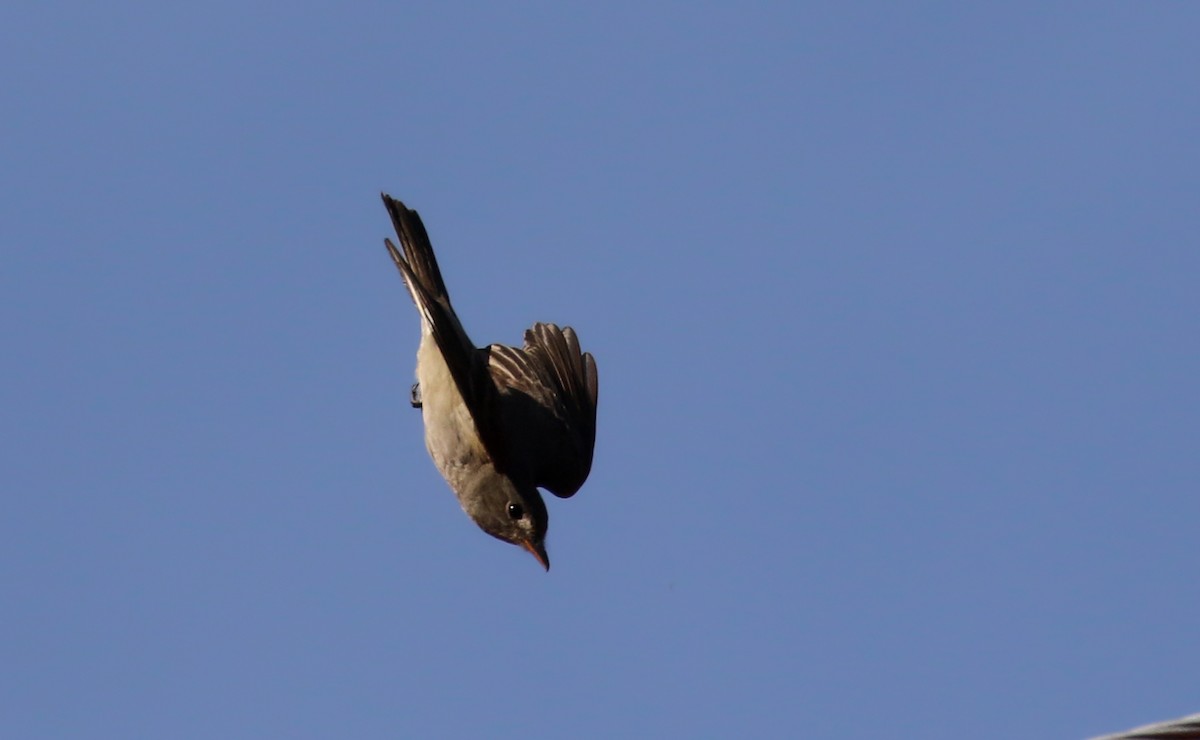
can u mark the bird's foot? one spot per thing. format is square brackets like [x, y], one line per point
[415, 396]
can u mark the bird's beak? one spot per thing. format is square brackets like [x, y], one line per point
[538, 551]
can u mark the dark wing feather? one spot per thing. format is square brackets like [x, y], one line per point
[547, 400]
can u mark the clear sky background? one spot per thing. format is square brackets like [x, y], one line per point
[896, 308]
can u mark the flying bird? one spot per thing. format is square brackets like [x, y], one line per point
[500, 421]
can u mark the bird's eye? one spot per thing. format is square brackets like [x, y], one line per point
[515, 511]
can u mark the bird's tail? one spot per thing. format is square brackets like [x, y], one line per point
[419, 268]
[415, 260]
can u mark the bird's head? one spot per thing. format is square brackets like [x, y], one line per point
[515, 516]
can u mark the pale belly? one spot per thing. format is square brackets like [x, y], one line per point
[450, 433]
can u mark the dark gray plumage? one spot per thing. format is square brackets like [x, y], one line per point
[500, 422]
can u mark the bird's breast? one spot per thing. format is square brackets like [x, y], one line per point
[450, 432]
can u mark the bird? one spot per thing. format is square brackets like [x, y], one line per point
[500, 421]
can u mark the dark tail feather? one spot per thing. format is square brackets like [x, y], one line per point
[421, 275]
[416, 251]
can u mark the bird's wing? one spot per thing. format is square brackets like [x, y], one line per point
[547, 401]
[419, 268]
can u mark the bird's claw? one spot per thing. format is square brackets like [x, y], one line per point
[415, 396]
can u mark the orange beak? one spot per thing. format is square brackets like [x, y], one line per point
[539, 552]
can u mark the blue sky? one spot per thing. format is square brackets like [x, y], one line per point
[895, 308]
